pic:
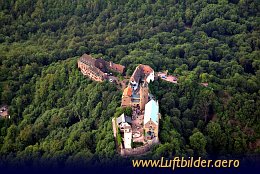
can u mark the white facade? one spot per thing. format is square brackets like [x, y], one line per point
[134, 84]
[123, 125]
[150, 77]
[128, 138]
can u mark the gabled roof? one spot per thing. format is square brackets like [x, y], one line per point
[147, 69]
[123, 118]
[137, 74]
[125, 125]
[151, 112]
[117, 67]
[85, 58]
[128, 91]
[140, 72]
[101, 64]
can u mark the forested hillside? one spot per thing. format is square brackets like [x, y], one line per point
[61, 117]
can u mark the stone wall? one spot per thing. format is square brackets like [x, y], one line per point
[139, 150]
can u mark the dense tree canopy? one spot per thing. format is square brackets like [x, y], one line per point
[61, 117]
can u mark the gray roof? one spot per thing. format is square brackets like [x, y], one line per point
[123, 118]
[85, 58]
[151, 112]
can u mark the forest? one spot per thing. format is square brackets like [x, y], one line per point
[59, 117]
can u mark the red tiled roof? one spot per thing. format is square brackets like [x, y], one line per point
[141, 71]
[147, 69]
[137, 74]
[127, 91]
[117, 67]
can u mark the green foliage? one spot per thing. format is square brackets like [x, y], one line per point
[61, 120]
[119, 137]
[137, 144]
[198, 142]
[128, 111]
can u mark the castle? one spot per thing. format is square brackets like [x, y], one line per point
[143, 125]
[136, 94]
[98, 69]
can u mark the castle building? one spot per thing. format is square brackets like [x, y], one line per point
[136, 94]
[143, 125]
[142, 73]
[124, 123]
[126, 97]
[128, 138]
[98, 69]
[151, 119]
